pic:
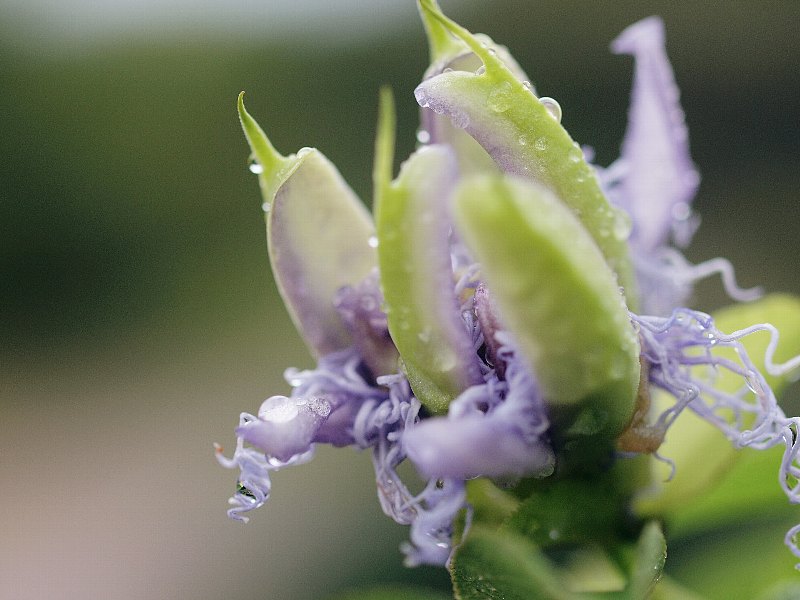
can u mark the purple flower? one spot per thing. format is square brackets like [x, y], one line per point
[482, 331]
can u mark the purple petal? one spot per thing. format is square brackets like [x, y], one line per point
[659, 179]
[359, 306]
[432, 529]
[683, 351]
[285, 427]
[496, 429]
[473, 446]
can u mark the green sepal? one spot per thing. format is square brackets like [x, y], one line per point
[494, 565]
[441, 43]
[569, 512]
[416, 277]
[517, 130]
[490, 505]
[649, 557]
[558, 297]
[318, 235]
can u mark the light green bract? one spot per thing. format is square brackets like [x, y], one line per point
[413, 253]
[318, 234]
[556, 294]
[523, 138]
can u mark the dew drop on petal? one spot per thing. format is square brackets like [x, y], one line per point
[481, 70]
[421, 97]
[423, 137]
[425, 335]
[552, 107]
[266, 207]
[244, 491]
[622, 225]
[373, 241]
[255, 167]
[500, 98]
[540, 144]
[320, 406]
[681, 211]
[278, 409]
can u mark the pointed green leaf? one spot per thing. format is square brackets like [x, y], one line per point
[443, 46]
[416, 275]
[557, 295]
[520, 134]
[318, 234]
[669, 589]
[648, 562]
[490, 504]
[492, 565]
[449, 53]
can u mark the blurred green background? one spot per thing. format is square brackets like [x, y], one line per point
[137, 312]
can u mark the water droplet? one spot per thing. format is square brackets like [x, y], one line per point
[481, 70]
[681, 211]
[540, 144]
[500, 98]
[528, 86]
[266, 207]
[423, 137]
[255, 167]
[458, 119]
[320, 406]
[622, 225]
[278, 409]
[421, 96]
[425, 335]
[447, 70]
[303, 151]
[552, 107]
[445, 360]
[244, 491]
[373, 241]
[554, 534]
[492, 52]
[619, 366]
[523, 141]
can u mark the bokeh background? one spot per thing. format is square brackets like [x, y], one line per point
[138, 316]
